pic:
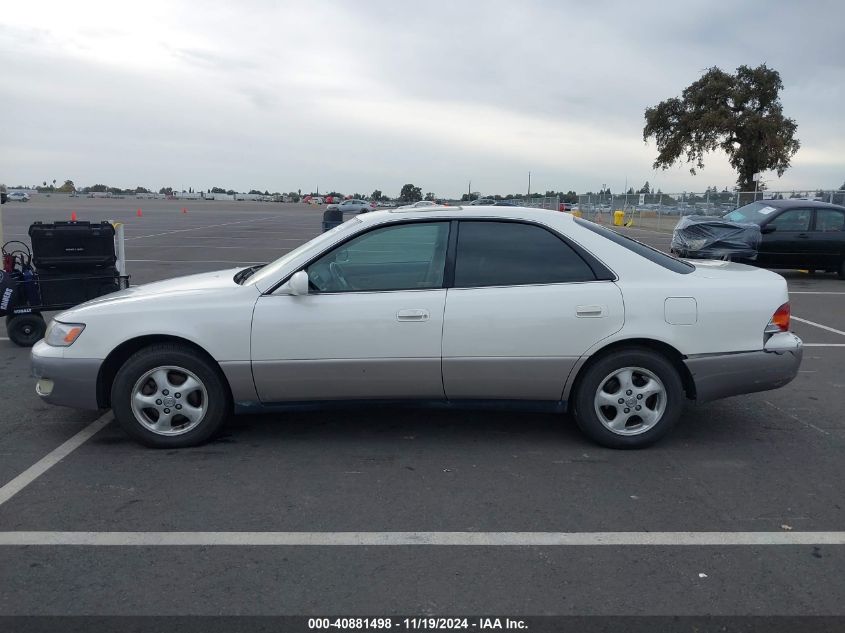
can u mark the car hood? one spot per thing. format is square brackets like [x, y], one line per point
[188, 285]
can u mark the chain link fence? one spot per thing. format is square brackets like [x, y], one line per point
[552, 202]
[660, 211]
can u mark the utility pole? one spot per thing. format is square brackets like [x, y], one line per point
[469, 192]
[529, 184]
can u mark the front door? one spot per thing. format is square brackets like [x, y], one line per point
[788, 246]
[524, 308]
[370, 326]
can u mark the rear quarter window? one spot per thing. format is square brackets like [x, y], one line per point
[652, 254]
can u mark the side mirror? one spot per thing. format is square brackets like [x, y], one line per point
[769, 228]
[297, 285]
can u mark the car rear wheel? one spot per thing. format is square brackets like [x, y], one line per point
[629, 398]
[842, 269]
[169, 396]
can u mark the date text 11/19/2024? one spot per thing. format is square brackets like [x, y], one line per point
[417, 624]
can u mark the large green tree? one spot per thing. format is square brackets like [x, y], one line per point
[740, 113]
[410, 193]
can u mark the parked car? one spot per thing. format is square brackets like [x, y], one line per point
[17, 196]
[505, 203]
[803, 234]
[418, 205]
[353, 206]
[565, 206]
[482, 304]
[482, 202]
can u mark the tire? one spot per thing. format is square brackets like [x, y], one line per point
[841, 271]
[148, 404]
[662, 398]
[25, 329]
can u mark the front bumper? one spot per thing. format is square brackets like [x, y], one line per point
[69, 382]
[723, 375]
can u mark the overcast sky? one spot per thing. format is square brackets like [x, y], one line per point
[360, 95]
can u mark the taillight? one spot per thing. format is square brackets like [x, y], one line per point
[779, 321]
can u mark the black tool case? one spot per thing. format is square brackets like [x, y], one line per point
[75, 262]
[60, 287]
[72, 246]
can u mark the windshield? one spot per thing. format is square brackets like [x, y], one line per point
[755, 212]
[272, 269]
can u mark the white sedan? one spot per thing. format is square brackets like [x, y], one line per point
[353, 206]
[473, 305]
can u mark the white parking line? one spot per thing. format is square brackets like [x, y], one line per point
[198, 228]
[250, 247]
[52, 458]
[819, 325]
[238, 237]
[368, 539]
[796, 418]
[198, 261]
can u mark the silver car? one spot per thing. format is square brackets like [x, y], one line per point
[353, 206]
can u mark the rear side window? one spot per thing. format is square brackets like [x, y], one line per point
[830, 220]
[651, 254]
[511, 254]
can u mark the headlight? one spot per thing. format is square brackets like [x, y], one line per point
[62, 334]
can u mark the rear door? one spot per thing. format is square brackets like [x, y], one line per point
[523, 308]
[828, 238]
[788, 246]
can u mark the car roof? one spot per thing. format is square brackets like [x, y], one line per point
[477, 211]
[792, 203]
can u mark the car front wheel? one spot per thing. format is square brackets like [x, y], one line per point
[169, 396]
[629, 398]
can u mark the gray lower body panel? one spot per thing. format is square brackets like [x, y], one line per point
[506, 377]
[348, 379]
[74, 380]
[723, 375]
[239, 375]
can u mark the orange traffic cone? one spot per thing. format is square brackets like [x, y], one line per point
[139, 214]
[73, 216]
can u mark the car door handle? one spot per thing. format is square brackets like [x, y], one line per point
[590, 312]
[412, 315]
[803, 236]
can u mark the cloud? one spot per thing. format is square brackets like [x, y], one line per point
[351, 96]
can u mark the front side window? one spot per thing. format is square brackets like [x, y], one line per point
[510, 253]
[793, 220]
[830, 220]
[399, 257]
